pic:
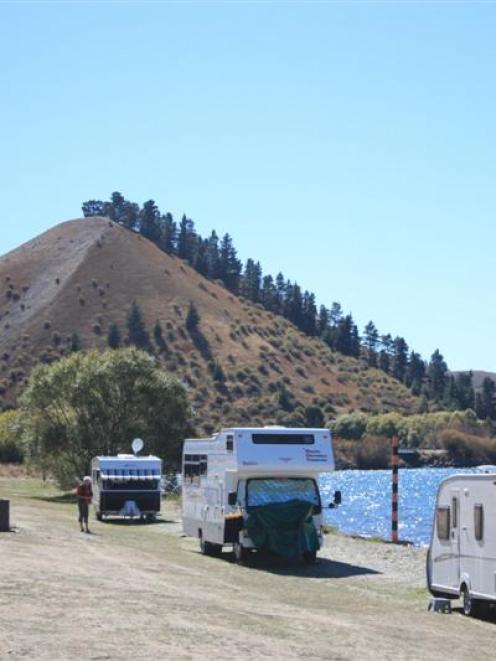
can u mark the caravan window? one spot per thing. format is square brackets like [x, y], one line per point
[454, 512]
[195, 465]
[443, 522]
[479, 522]
[265, 491]
[283, 439]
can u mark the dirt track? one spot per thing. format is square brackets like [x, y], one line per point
[143, 591]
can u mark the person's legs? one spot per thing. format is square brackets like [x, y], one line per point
[81, 513]
[85, 515]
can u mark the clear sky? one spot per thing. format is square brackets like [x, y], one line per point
[351, 145]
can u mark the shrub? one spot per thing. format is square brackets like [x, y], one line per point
[11, 449]
[467, 449]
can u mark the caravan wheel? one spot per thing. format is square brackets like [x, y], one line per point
[99, 516]
[241, 553]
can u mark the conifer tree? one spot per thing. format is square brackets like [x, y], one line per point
[371, 339]
[192, 318]
[437, 375]
[114, 336]
[150, 222]
[137, 333]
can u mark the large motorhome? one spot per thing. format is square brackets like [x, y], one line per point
[461, 561]
[126, 485]
[256, 488]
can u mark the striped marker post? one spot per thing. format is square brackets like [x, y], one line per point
[394, 492]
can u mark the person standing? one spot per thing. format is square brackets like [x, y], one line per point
[84, 494]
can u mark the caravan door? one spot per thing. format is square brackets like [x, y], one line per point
[454, 564]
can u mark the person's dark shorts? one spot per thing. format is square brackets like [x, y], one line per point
[83, 511]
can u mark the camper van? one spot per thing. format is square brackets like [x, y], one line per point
[461, 560]
[257, 488]
[126, 485]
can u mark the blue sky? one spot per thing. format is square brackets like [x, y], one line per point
[350, 145]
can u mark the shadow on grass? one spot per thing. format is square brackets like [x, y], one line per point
[486, 613]
[135, 522]
[322, 568]
[61, 498]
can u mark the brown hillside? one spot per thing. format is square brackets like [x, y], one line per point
[83, 275]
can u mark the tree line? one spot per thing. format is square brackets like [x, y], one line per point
[216, 258]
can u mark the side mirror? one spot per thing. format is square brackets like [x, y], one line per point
[337, 497]
[231, 498]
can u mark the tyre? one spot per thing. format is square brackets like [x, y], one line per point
[151, 518]
[99, 516]
[470, 605]
[241, 553]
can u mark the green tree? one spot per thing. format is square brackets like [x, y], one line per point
[485, 404]
[75, 343]
[314, 417]
[96, 403]
[437, 376]
[150, 221]
[192, 318]
[114, 339]
[137, 333]
[370, 341]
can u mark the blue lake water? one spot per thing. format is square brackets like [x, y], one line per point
[366, 501]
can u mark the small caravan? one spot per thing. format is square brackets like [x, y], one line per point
[126, 485]
[461, 560]
[256, 488]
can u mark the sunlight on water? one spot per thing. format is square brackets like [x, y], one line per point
[366, 504]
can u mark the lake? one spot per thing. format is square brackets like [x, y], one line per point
[366, 504]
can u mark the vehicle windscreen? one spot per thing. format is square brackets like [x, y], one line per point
[267, 491]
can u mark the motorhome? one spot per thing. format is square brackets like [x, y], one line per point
[257, 488]
[461, 561]
[126, 485]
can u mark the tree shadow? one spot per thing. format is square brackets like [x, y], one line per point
[62, 498]
[201, 343]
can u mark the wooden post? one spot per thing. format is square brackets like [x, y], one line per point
[394, 492]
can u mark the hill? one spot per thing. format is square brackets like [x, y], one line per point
[243, 365]
[479, 376]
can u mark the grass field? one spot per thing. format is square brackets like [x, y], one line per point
[134, 591]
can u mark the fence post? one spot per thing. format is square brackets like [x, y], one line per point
[394, 491]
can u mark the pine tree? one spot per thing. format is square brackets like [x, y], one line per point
[150, 221]
[385, 353]
[399, 359]
[137, 333]
[75, 343]
[371, 339]
[93, 208]
[168, 234]
[187, 239]
[335, 314]
[486, 400]
[415, 373]
[323, 320]
[192, 318]
[114, 336]
[269, 294]
[436, 376]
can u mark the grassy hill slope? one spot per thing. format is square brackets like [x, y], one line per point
[83, 275]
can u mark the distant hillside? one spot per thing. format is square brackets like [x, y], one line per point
[478, 377]
[244, 365]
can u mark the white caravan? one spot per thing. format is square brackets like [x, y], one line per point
[229, 476]
[126, 485]
[461, 561]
